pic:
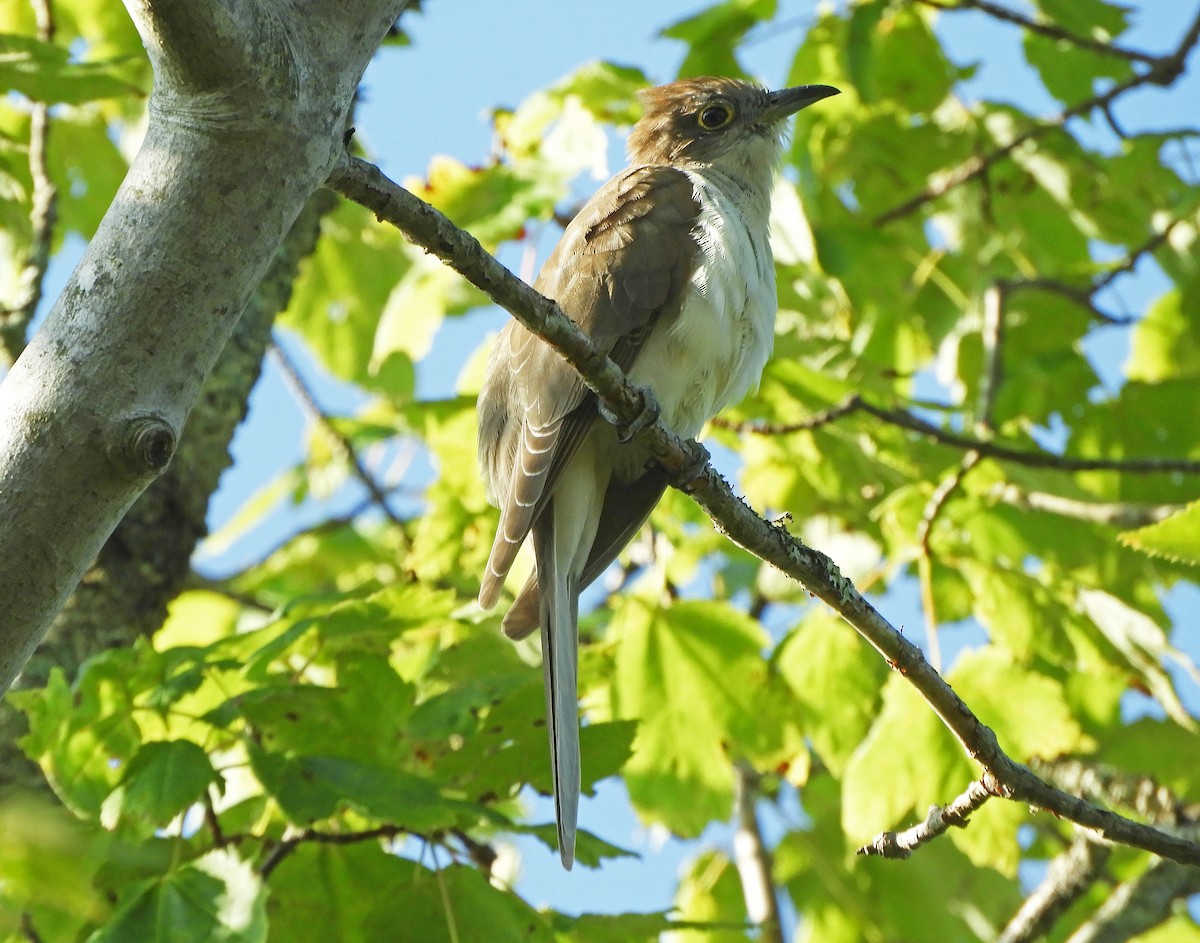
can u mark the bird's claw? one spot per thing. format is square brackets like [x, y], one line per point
[643, 420]
[690, 473]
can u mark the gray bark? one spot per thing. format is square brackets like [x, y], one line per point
[246, 122]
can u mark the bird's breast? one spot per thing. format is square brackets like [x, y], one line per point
[714, 351]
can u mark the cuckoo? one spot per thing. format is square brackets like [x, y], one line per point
[668, 268]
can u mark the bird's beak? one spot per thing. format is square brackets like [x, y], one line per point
[787, 101]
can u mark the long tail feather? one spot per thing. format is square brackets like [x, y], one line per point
[559, 617]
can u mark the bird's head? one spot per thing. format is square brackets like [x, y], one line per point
[730, 124]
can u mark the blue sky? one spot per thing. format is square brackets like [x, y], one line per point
[432, 98]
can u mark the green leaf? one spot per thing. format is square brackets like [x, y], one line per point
[216, 898]
[44, 72]
[894, 55]
[837, 680]
[456, 904]
[162, 780]
[48, 868]
[1027, 710]
[1023, 615]
[1159, 749]
[690, 673]
[81, 737]
[1166, 342]
[1095, 19]
[1144, 644]
[311, 788]
[1175, 538]
[590, 850]
[909, 750]
[344, 286]
[616, 928]
[710, 891]
[714, 33]
[1070, 73]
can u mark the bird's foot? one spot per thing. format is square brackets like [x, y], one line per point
[689, 475]
[643, 420]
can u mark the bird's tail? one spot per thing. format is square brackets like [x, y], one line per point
[559, 618]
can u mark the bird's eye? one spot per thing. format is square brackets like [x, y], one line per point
[714, 117]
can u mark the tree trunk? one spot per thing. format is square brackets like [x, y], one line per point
[246, 121]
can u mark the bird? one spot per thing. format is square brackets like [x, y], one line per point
[668, 268]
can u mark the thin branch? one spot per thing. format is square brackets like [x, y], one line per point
[1045, 28]
[752, 858]
[995, 299]
[933, 509]
[815, 421]
[213, 821]
[1078, 295]
[1084, 296]
[43, 214]
[939, 820]
[1139, 905]
[1111, 786]
[341, 441]
[483, 855]
[986, 448]
[685, 463]
[1125, 516]
[1069, 877]
[28, 930]
[1135, 255]
[1163, 71]
[290, 842]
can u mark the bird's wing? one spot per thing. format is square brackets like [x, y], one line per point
[626, 507]
[622, 266]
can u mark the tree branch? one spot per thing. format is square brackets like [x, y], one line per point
[1139, 905]
[987, 449]
[939, 821]
[289, 843]
[1163, 71]
[92, 411]
[43, 214]
[1124, 516]
[1069, 877]
[341, 442]
[1045, 28]
[752, 858]
[364, 183]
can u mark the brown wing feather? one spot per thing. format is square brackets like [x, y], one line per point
[621, 265]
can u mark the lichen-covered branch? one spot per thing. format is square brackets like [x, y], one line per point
[681, 459]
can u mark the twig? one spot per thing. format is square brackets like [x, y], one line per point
[1078, 295]
[933, 509]
[482, 854]
[680, 459]
[939, 820]
[213, 821]
[341, 441]
[814, 421]
[1163, 71]
[43, 214]
[1084, 296]
[1101, 783]
[995, 299]
[290, 842]
[986, 448]
[1068, 878]
[1134, 256]
[752, 858]
[1045, 28]
[1117, 514]
[1139, 905]
[28, 930]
